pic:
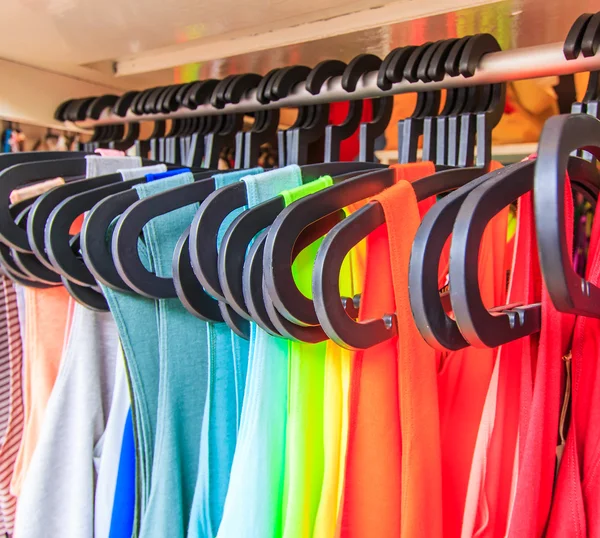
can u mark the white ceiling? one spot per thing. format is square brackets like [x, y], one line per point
[84, 38]
[66, 35]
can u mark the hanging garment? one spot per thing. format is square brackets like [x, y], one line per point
[118, 301]
[491, 482]
[182, 386]
[228, 364]
[111, 162]
[372, 493]
[12, 403]
[57, 497]
[123, 512]
[4, 383]
[253, 505]
[304, 458]
[338, 361]
[540, 420]
[142, 365]
[109, 447]
[463, 380]
[576, 493]
[47, 319]
[141, 361]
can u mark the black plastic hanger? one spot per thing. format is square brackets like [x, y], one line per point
[167, 147]
[427, 106]
[225, 137]
[149, 146]
[276, 85]
[503, 323]
[60, 112]
[290, 223]
[252, 281]
[264, 130]
[310, 123]
[255, 289]
[358, 66]
[96, 254]
[561, 135]
[90, 297]
[188, 289]
[14, 272]
[330, 307]
[321, 73]
[123, 103]
[10, 159]
[230, 90]
[267, 122]
[334, 134]
[591, 38]
[7, 255]
[28, 263]
[46, 203]
[27, 173]
[197, 141]
[130, 138]
[382, 107]
[197, 94]
[62, 216]
[113, 201]
[77, 110]
[220, 204]
[436, 327]
[238, 237]
[252, 285]
[131, 223]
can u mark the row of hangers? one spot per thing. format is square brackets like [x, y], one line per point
[250, 277]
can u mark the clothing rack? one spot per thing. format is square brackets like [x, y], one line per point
[496, 67]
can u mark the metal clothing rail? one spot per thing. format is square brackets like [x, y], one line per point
[504, 66]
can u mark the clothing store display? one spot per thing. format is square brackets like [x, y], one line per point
[327, 348]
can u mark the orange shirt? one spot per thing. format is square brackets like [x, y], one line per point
[46, 319]
[379, 499]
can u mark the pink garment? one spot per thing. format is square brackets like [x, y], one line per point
[105, 152]
[492, 479]
[539, 434]
[577, 493]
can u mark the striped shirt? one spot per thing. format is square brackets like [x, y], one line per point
[11, 399]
